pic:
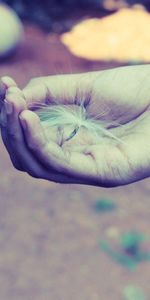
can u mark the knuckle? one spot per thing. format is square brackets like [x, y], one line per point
[13, 136]
[12, 89]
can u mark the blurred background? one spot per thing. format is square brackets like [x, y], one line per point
[65, 242]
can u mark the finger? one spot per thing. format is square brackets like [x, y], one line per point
[5, 83]
[36, 94]
[2, 91]
[52, 155]
[8, 81]
[32, 140]
[59, 89]
[6, 141]
[13, 158]
[7, 112]
[12, 134]
[13, 139]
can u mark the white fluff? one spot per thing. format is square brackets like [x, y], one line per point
[76, 116]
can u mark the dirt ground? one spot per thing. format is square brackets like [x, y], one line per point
[49, 233]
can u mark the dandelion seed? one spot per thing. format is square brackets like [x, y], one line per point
[75, 116]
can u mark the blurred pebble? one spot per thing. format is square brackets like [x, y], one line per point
[133, 293]
[11, 33]
[113, 232]
[104, 205]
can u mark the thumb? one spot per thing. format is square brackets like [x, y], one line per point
[58, 89]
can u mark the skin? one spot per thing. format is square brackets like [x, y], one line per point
[118, 96]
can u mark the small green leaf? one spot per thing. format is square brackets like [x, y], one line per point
[104, 205]
[130, 253]
[131, 242]
[119, 257]
[133, 293]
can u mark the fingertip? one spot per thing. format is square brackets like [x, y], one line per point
[33, 130]
[8, 81]
[14, 96]
[29, 116]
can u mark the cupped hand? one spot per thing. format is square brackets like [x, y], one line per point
[119, 97]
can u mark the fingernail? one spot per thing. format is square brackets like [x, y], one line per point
[23, 122]
[8, 107]
[3, 118]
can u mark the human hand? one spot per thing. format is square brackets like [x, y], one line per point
[117, 96]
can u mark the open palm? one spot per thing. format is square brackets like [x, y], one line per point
[119, 97]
